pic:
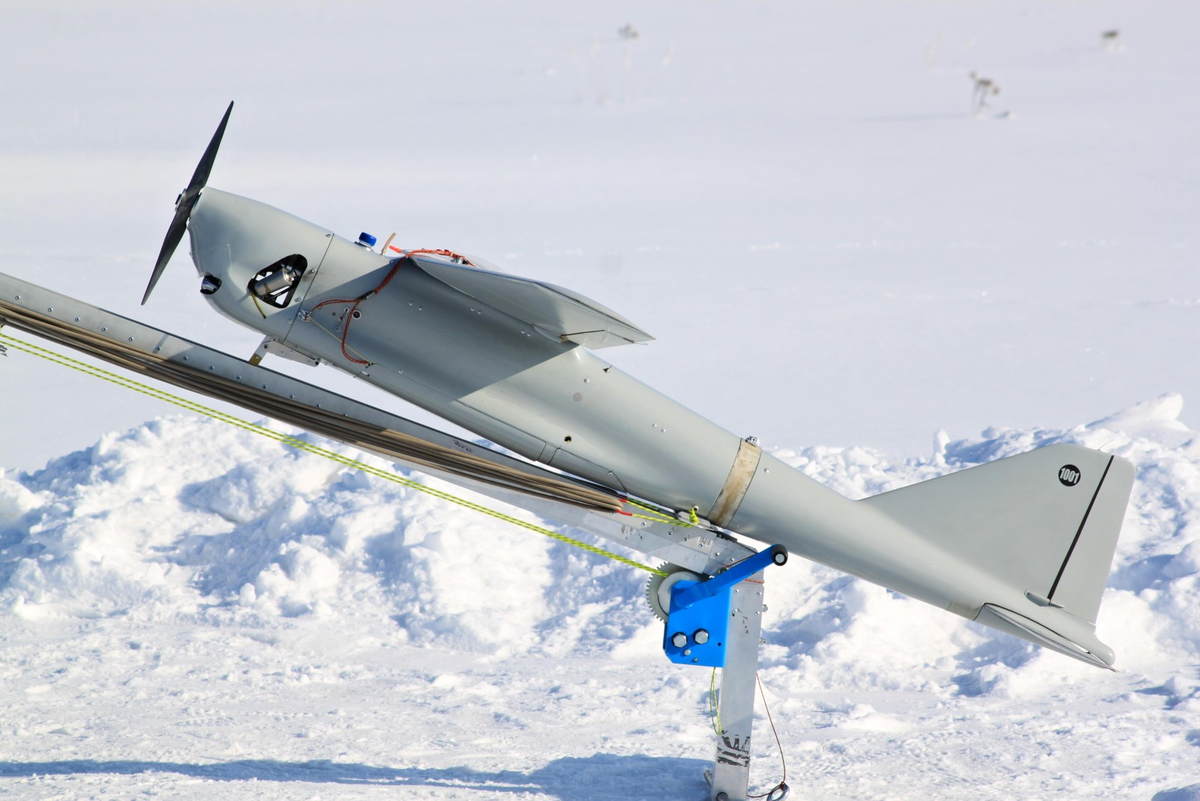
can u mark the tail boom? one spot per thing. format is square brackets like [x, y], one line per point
[1022, 544]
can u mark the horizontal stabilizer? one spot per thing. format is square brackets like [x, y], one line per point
[1074, 638]
[553, 310]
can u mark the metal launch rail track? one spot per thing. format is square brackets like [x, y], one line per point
[202, 370]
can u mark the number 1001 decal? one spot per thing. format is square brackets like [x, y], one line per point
[1069, 475]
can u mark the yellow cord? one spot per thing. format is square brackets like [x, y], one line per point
[285, 439]
[657, 515]
[254, 298]
[714, 706]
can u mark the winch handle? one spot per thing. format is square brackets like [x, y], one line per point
[734, 574]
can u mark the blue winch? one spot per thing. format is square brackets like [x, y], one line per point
[700, 611]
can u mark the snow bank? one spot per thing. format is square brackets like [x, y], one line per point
[186, 520]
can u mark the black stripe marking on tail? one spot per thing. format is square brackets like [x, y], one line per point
[1079, 532]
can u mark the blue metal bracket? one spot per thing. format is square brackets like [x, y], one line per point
[698, 620]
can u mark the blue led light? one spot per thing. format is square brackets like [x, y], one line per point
[366, 239]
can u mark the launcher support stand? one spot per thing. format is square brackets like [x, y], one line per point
[731, 765]
[717, 623]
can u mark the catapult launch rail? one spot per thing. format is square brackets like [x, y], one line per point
[193, 367]
[699, 550]
[157, 354]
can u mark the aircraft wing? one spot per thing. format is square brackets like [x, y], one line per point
[553, 310]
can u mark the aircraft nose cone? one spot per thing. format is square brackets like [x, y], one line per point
[233, 238]
[211, 231]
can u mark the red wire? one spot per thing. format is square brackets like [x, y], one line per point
[386, 280]
[432, 252]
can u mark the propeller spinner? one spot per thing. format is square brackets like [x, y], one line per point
[183, 206]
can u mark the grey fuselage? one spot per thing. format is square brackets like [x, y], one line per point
[552, 401]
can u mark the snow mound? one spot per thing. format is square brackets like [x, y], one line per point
[1189, 793]
[840, 632]
[188, 521]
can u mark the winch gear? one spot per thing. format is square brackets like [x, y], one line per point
[658, 588]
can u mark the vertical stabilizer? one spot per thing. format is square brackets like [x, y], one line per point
[1044, 522]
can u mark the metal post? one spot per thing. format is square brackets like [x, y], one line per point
[731, 768]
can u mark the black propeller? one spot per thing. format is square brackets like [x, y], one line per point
[183, 206]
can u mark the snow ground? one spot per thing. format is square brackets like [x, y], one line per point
[797, 190]
[187, 612]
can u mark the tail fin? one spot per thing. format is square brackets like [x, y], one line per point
[1045, 522]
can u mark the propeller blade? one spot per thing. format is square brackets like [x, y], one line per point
[200, 176]
[174, 234]
[187, 200]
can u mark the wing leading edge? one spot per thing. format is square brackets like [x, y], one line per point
[554, 310]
